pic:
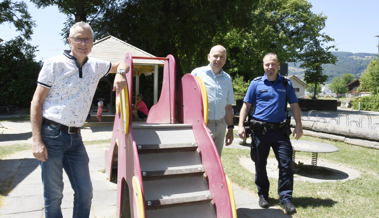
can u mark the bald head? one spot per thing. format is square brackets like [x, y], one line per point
[217, 58]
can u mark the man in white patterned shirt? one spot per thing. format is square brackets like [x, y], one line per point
[65, 89]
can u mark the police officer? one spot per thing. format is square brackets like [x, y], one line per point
[269, 94]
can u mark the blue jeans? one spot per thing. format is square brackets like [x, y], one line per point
[66, 152]
[260, 149]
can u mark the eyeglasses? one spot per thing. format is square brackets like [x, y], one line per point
[81, 40]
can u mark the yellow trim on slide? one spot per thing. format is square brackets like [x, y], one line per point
[124, 99]
[204, 96]
[231, 196]
[138, 196]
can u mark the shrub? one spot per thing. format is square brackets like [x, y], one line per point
[368, 103]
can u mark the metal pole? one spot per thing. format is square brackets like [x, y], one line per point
[155, 83]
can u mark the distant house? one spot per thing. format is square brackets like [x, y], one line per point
[298, 85]
[353, 87]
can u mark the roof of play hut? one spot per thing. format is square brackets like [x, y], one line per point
[113, 49]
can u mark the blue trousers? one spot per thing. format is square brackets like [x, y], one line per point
[65, 151]
[260, 149]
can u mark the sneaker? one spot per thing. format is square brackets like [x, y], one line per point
[263, 203]
[289, 207]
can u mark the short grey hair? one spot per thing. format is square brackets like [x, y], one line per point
[271, 54]
[83, 25]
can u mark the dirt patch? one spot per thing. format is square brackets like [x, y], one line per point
[325, 171]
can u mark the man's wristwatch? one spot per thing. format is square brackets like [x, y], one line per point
[231, 127]
[121, 71]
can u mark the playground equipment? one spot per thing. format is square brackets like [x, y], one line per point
[168, 166]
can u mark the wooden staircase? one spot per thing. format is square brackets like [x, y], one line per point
[174, 181]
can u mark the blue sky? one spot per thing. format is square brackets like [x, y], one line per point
[46, 34]
[354, 24]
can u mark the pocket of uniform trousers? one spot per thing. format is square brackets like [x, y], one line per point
[253, 150]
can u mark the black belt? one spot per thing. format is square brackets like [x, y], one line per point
[68, 129]
[268, 125]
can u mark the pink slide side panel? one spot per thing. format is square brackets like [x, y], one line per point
[164, 110]
[190, 112]
[128, 160]
[129, 79]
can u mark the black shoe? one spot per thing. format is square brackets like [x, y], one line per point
[263, 202]
[289, 207]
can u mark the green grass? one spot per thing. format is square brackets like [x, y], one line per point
[10, 149]
[96, 142]
[348, 198]
[25, 117]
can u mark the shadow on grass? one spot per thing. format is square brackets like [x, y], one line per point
[14, 171]
[15, 136]
[300, 202]
[270, 212]
[305, 202]
[319, 172]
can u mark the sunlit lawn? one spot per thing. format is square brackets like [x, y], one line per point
[348, 198]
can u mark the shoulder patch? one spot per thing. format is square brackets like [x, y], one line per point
[257, 78]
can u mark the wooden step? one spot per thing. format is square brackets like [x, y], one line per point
[145, 134]
[167, 147]
[142, 125]
[203, 209]
[157, 187]
[170, 163]
[180, 198]
[169, 171]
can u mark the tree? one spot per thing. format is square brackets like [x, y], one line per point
[369, 80]
[311, 88]
[83, 10]
[17, 67]
[185, 29]
[347, 78]
[18, 72]
[240, 87]
[287, 27]
[338, 86]
[313, 57]
[17, 14]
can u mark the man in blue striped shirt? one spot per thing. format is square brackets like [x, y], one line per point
[220, 96]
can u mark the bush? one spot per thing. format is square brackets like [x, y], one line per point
[368, 103]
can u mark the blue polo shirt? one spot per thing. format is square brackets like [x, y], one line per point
[269, 98]
[219, 89]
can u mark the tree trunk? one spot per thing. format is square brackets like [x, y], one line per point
[314, 91]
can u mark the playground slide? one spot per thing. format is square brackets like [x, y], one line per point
[168, 166]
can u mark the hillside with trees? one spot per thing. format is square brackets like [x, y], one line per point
[347, 63]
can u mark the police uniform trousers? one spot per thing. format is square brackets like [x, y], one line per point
[262, 140]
